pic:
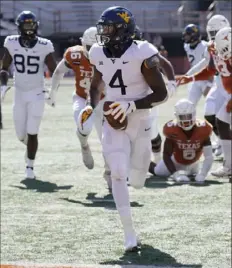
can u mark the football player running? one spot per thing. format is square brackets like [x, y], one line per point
[196, 50]
[134, 85]
[28, 53]
[77, 59]
[223, 65]
[187, 138]
[166, 68]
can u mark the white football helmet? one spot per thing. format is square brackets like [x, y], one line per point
[214, 24]
[185, 113]
[223, 43]
[88, 39]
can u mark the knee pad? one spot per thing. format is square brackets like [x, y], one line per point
[212, 120]
[156, 144]
[223, 130]
[137, 178]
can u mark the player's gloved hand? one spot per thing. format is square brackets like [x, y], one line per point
[4, 89]
[200, 178]
[122, 108]
[171, 87]
[180, 176]
[184, 79]
[85, 120]
[229, 106]
[50, 98]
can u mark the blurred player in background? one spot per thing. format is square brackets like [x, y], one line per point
[134, 85]
[187, 138]
[168, 70]
[221, 61]
[196, 50]
[216, 96]
[28, 53]
[77, 59]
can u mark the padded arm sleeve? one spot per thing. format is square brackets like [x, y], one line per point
[198, 67]
[58, 74]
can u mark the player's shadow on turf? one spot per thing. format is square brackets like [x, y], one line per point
[162, 183]
[148, 256]
[41, 186]
[106, 201]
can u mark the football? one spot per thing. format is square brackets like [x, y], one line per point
[114, 123]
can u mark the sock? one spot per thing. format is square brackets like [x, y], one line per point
[24, 141]
[226, 148]
[30, 162]
[122, 201]
[83, 139]
[157, 157]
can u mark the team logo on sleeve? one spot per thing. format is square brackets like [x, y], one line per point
[124, 16]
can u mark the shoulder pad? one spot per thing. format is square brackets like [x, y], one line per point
[170, 129]
[94, 54]
[46, 44]
[73, 54]
[145, 50]
[186, 46]
[10, 39]
[205, 127]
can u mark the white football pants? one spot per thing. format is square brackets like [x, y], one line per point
[28, 109]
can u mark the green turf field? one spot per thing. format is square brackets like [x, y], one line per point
[68, 217]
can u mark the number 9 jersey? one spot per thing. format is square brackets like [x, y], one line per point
[28, 62]
[122, 76]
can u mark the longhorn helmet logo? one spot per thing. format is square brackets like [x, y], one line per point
[124, 16]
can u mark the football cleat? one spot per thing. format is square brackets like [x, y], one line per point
[222, 172]
[87, 157]
[218, 151]
[29, 173]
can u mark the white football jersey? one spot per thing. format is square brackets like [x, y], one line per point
[198, 53]
[28, 62]
[122, 76]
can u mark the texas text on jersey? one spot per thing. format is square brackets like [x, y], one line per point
[83, 69]
[28, 61]
[187, 150]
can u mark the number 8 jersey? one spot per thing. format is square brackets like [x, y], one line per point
[122, 76]
[28, 62]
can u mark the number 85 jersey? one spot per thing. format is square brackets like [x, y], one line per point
[122, 76]
[28, 62]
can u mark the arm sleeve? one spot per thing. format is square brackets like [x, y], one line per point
[58, 74]
[198, 67]
[208, 160]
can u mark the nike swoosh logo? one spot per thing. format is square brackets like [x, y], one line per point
[146, 129]
[128, 106]
[124, 62]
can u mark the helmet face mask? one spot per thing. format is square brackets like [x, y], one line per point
[191, 34]
[115, 28]
[223, 43]
[185, 113]
[214, 24]
[186, 121]
[27, 25]
[88, 39]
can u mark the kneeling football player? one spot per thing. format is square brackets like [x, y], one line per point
[187, 138]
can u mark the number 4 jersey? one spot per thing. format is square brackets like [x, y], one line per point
[187, 150]
[28, 62]
[122, 76]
